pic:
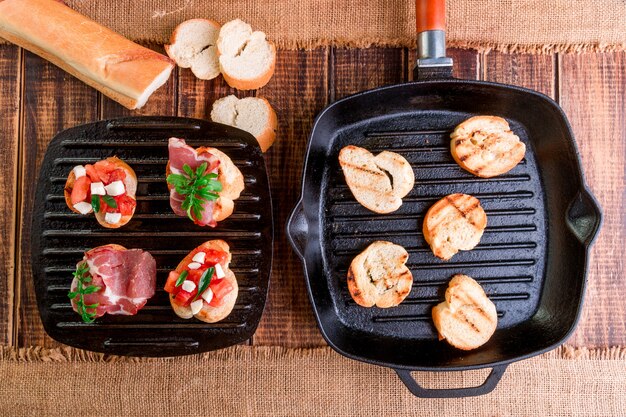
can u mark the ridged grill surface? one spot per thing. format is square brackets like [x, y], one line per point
[508, 262]
[61, 237]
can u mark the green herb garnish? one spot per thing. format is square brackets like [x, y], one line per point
[95, 203]
[83, 288]
[197, 187]
[205, 280]
[181, 278]
[110, 201]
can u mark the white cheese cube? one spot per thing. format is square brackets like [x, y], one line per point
[83, 207]
[97, 188]
[79, 171]
[112, 218]
[188, 286]
[194, 265]
[115, 188]
[199, 257]
[219, 272]
[207, 295]
[196, 306]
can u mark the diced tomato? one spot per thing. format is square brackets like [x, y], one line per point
[216, 302]
[92, 174]
[117, 175]
[194, 275]
[220, 288]
[214, 256]
[183, 298]
[170, 284]
[81, 189]
[125, 204]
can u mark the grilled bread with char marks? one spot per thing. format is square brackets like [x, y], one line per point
[467, 318]
[377, 182]
[486, 146]
[456, 222]
[378, 276]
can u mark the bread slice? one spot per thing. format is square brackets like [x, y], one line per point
[193, 45]
[378, 276]
[377, 182]
[210, 314]
[252, 114]
[486, 146]
[246, 58]
[467, 318]
[456, 222]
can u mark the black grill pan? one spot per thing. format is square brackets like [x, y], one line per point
[60, 237]
[531, 261]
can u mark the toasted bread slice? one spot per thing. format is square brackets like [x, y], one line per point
[377, 182]
[193, 45]
[252, 114]
[456, 222]
[210, 314]
[467, 319]
[378, 276]
[246, 58]
[486, 146]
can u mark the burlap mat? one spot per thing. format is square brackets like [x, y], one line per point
[273, 381]
[506, 25]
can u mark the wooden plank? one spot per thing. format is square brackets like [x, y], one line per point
[592, 90]
[53, 100]
[10, 81]
[298, 91]
[536, 72]
[466, 63]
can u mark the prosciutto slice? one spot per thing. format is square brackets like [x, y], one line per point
[127, 279]
[181, 154]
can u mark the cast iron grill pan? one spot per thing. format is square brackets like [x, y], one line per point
[61, 237]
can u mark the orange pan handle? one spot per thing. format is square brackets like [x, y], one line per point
[430, 15]
[432, 62]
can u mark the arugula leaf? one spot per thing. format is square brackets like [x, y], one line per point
[95, 203]
[197, 186]
[181, 278]
[110, 201]
[205, 280]
[81, 275]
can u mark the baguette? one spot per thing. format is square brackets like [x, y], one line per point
[368, 177]
[117, 67]
[252, 114]
[467, 318]
[192, 45]
[486, 146]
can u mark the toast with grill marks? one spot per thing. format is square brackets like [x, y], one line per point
[486, 146]
[467, 318]
[377, 182]
[456, 222]
[379, 276]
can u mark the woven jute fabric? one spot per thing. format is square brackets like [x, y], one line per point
[505, 25]
[274, 381]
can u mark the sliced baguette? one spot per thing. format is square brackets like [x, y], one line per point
[210, 314]
[368, 177]
[456, 222]
[252, 114]
[486, 146]
[378, 276]
[193, 45]
[246, 58]
[467, 318]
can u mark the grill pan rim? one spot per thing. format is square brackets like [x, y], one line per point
[302, 213]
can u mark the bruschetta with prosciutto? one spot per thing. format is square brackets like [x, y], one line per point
[202, 285]
[106, 188]
[112, 279]
[203, 183]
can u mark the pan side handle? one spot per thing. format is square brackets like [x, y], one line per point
[584, 217]
[297, 229]
[419, 391]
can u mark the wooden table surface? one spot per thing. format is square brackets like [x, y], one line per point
[37, 100]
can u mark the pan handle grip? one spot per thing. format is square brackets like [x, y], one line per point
[584, 217]
[430, 15]
[297, 229]
[432, 62]
[485, 388]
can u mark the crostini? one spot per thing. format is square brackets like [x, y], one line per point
[203, 183]
[112, 279]
[106, 188]
[202, 285]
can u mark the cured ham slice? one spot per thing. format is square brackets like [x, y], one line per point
[126, 277]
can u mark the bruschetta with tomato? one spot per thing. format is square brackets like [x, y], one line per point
[203, 183]
[106, 188]
[202, 285]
